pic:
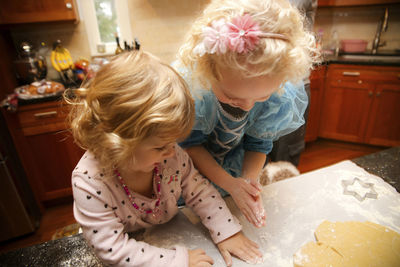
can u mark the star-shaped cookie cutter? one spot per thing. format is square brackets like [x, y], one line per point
[371, 194]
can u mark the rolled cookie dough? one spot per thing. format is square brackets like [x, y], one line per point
[350, 244]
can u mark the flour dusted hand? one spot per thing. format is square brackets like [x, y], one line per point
[199, 258]
[246, 194]
[241, 247]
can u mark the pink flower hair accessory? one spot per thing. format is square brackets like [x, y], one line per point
[215, 39]
[240, 36]
[243, 34]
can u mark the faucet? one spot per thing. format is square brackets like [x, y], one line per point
[382, 27]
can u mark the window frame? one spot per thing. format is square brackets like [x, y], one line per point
[88, 16]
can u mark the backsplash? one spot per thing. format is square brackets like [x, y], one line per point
[359, 23]
[160, 26]
[72, 36]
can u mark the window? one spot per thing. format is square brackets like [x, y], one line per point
[104, 20]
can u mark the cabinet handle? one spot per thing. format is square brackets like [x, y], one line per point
[46, 114]
[359, 81]
[370, 93]
[351, 73]
[378, 94]
[68, 5]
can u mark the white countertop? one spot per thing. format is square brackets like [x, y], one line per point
[294, 208]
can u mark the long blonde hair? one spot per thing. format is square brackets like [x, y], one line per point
[133, 97]
[292, 58]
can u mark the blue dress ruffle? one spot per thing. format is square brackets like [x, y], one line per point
[226, 137]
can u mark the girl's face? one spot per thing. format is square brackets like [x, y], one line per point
[243, 93]
[150, 151]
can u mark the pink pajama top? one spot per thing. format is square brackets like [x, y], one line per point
[106, 214]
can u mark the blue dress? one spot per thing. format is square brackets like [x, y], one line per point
[227, 137]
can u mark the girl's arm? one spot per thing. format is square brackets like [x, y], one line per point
[224, 228]
[204, 199]
[252, 164]
[245, 194]
[207, 166]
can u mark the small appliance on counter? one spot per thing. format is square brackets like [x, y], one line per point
[29, 66]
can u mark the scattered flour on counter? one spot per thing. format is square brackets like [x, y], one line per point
[274, 254]
[367, 208]
[168, 241]
[289, 237]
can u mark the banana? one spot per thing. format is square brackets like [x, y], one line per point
[54, 61]
[58, 60]
[65, 59]
[68, 58]
[61, 60]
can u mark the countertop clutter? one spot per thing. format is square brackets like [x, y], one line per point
[386, 58]
[74, 251]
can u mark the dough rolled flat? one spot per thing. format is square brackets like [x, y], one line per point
[351, 244]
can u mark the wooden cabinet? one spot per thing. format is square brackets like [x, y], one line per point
[28, 11]
[360, 104]
[317, 79]
[322, 3]
[384, 125]
[47, 151]
[39, 133]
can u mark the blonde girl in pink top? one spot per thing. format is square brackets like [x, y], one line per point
[128, 119]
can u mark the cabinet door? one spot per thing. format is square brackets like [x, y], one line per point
[384, 125]
[55, 156]
[317, 79]
[345, 109]
[354, 2]
[51, 154]
[27, 11]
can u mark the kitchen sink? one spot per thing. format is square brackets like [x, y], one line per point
[371, 58]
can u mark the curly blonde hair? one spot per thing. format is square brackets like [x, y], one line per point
[133, 97]
[292, 59]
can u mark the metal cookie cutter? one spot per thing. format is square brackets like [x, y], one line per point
[371, 194]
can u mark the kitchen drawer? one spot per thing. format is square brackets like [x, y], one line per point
[360, 73]
[356, 83]
[43, 118]
[46, 148]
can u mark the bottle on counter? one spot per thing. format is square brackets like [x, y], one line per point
[136, 44]
[319, 38]
[119, 49]
[335, 43]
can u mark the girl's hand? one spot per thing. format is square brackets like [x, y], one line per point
[246, 194]
[241, 247]
[198, 258]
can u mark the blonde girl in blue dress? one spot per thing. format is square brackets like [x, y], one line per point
[244, 61]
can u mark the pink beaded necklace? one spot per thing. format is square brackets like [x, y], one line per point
[128, 193]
